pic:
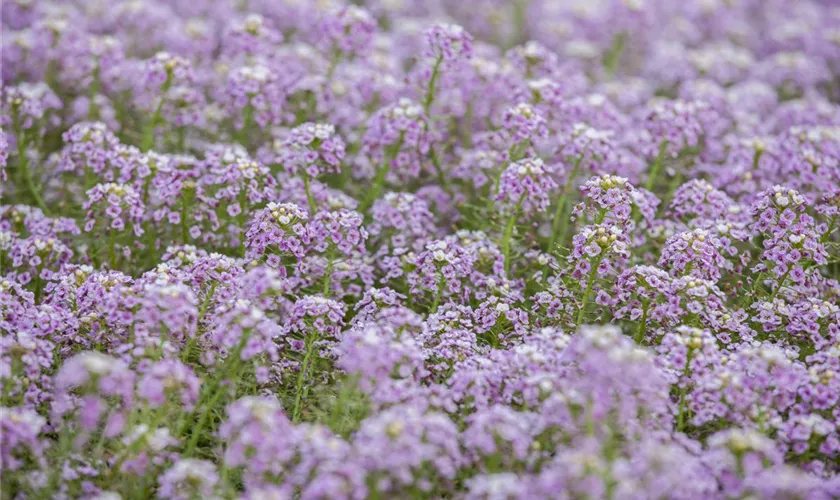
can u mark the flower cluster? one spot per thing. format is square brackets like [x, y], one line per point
[347, 30]
[114, 205]
[252, 94]
[88, 148]
[277, 229]
[524, 123]
[402, 221]
[449, 42]
[249, 35]
[695, 253]
[607, 197]
[27, 105]
[398, 135]
[313, 148]
[341, 230]
[526, 183]
[599, 241]
[388, 249]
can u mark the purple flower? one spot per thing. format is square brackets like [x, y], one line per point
[347, 30]
[402, 221]
[88, 150]
[300, 249]
[30, 106]
[399, 135]
[449, 42]
[674, 123]
[253, 96]
[312, 148]
[341, 231]
[524, 123]
[526, 183]
[250, 35]
[169, 378]
[21, 437]
[695, 253]
[402, 442]
[188, 478]
[607, 198]
[114, 204]
[278, 229]
[603, 244]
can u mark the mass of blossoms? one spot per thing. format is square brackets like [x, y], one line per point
[376, 249]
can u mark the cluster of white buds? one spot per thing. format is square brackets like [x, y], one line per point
[286, 213]
[784, 198]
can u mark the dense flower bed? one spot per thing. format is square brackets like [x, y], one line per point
[420, 249]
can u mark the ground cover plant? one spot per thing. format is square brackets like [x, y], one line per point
[453, 249]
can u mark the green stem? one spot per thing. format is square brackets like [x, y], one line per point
[508, 235]
[182, 140]
[338, 411]
[682, 407]
[493, 189]
[112, 251]
[99, 447]
[753, 290]
[247, 118]
[164, 338]
[673, 185]
[602, 214]
[38, 283]
[307, 359]
[186, 201]
[206, 304]
[243, 218]
[439, 293]
[149, 131]
[781, 283]
[560, 210]
[23, 162]
[8, 384]
[334, 59]
[442, 180]
[65, 443]
[593, 273]
[520, 21]
[640, 333]
[230, 370]
[515, 154]
[468, 125]
[313, 207]
[430, 92]
[681, 414]
[756, 158]
[223, 479]
[201, 313]
[218, 393]
[93, 109]
[381, 174]
[613, 55]
[151, 244]
[328, 276]
[90, 178]
[657, 166]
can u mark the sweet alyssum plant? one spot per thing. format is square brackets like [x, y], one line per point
[478, 250]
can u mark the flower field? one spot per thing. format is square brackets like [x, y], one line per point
[485, 249]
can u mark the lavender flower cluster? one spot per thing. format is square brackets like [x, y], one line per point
[420, 249]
